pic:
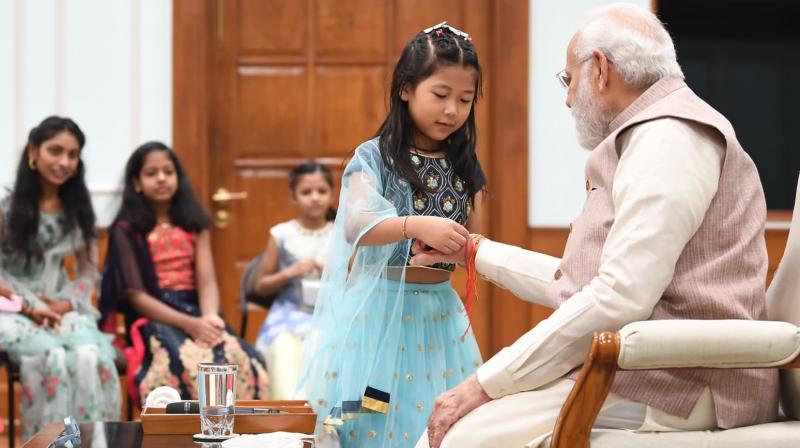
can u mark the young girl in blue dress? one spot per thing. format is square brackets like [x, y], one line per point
[389, 337]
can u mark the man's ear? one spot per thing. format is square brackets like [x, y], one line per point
[603, 66]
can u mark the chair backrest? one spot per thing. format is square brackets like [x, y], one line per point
[246, 286]
[783, 303]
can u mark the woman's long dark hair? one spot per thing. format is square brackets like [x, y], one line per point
[76, 203]
[420, 59]
[312, 167]
[185, 210]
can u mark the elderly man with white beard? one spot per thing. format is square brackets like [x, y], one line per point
[672, 228]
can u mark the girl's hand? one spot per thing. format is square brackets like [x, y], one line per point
[44, 317]
[215, 320]
[205, 331]
[442, 234]
[424, 256]
[5, 290]
[302, 268]
[57, 306]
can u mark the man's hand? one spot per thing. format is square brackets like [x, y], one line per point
[452, 405]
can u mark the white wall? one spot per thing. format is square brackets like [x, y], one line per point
[107, 64]
[556, 189]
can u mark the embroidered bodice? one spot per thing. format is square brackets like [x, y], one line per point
[173, 251]
[446, 196]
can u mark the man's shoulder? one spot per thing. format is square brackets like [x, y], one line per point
[674, 129]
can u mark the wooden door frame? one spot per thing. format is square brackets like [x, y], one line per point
[194, 37]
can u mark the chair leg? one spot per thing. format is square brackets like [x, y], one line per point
[129, 409]
[12, 431]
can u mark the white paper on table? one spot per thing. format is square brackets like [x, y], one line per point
[271, 440]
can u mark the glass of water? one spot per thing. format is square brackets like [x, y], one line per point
[216, 385]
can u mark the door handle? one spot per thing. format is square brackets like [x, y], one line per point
[223, 195]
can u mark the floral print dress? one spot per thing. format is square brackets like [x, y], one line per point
[68, 370]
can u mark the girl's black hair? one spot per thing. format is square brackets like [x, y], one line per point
[311, 167]
[420, 59]
[76, 203]
[185, 210]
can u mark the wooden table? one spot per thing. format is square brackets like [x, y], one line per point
[129, 435]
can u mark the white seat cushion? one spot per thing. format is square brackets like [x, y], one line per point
[783, 303]
[769, 435]
[659, 344]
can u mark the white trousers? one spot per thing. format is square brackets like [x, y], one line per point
[284, 356]
[526, 419]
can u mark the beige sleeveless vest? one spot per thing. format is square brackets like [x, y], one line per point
[720, 274]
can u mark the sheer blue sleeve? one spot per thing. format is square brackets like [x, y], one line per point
[357, 316]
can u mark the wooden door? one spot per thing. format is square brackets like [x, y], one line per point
[261, 85]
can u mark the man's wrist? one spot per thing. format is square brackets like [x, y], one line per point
[475, 396]
[477, 239]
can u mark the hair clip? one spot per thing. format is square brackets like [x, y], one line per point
[439, 27]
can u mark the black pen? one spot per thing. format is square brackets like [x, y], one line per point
[245, 410]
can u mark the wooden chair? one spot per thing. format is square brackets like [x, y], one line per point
[692, 344]
[248, 299]
[12, 376]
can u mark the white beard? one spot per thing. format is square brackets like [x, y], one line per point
[591, 116]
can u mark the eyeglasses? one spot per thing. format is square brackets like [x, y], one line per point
[564, 78]
[444, 25]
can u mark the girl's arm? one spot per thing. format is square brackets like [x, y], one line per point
[270, 279]
[207, 288]
[442, 234]
[154, 309]
[30, 298]
[475, 221]
[77, 295]
[205, 331]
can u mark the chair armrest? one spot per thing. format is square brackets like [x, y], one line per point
[665, 344]
[734, 344]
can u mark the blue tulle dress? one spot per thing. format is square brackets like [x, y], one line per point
[381, 349]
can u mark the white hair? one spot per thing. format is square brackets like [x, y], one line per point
[633, 39]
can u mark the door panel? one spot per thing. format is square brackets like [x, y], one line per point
[270, 111]
[416, 15]
[263, 30]
[351, 28]
[347, 108]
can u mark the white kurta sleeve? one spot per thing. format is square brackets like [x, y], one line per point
[523, 272]
[667, 175]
